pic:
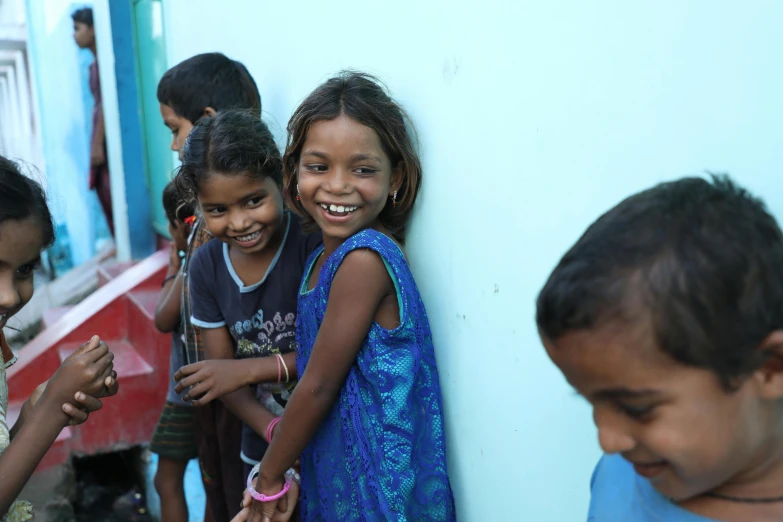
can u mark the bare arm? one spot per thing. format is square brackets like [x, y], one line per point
[98, 156]
[88, 368]
[242, 402]
[359, 287]
[20, 459]
[215, 378]
[168, 312]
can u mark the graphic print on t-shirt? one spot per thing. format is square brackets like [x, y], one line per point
[261, 318]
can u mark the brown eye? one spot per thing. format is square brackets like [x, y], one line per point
[25, 271]
[636, 412]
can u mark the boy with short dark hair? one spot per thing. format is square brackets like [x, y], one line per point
[667, 316]
[201, 86]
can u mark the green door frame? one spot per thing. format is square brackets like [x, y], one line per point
[151, 65]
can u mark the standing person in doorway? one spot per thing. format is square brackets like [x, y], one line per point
[84, 35]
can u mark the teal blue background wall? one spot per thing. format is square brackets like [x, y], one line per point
[534, 118]
[59, 68]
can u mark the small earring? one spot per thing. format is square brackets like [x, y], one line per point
[394, 199]
[297, 192]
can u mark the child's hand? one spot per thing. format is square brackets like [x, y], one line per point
[89, 370]
[84, 404]
[253, 510]
[210, 380]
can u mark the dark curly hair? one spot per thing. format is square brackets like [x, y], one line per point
[21, 198]
[230, 142]
[706, 258]
[363, 98]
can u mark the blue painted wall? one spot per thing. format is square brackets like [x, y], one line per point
[534, 116]
[65, 106]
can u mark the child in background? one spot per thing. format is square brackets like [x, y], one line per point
[74, 390]
[667, 316]
[174, 439]
[244, 287]
[367, 415]
[201, 86]
[100, 181]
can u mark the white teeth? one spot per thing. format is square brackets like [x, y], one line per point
[249, 237]
[340, 209]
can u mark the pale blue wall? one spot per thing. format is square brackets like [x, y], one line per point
[65, 105]
[535, 117]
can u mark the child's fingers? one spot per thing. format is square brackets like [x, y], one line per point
[96, 354]
[90, 345]
[77, 416]
[88, 401]
[246, 499]
[105, 369]
[206, 399]
[242, 516]
[111, 384]
[190, 369]
[197, 391]
[187, 382]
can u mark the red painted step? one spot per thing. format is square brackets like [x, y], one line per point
[121, 312]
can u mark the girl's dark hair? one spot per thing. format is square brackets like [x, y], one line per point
[364, 99]
[83, 15]
[176, 209]
[21, 198]
[703, 259]
[231, 142]
[208, 80]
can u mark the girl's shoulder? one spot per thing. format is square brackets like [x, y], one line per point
[378, 242]
[389, 256]
[389, 260]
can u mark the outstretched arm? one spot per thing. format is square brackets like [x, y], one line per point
[359, 287]
[216, 378]
[242, 402]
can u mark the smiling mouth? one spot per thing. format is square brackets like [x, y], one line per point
[338, 210]
[649, 469]
[249, 237]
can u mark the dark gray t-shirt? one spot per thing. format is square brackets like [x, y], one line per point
[261, 318]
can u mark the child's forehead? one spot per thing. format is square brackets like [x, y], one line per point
[342, 132]
[618, 353]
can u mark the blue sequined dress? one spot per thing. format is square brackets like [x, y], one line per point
[380, 454]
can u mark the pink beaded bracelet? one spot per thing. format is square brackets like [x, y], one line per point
[289, 477]
[270, 429]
